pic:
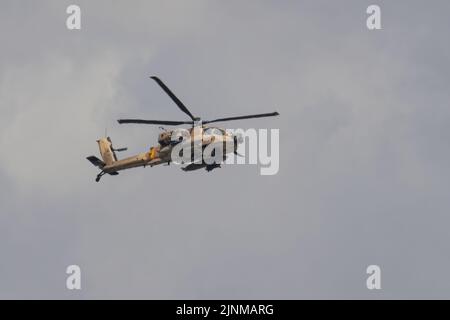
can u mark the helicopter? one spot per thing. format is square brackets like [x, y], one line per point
[162, 153]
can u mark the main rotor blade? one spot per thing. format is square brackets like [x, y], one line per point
[261, 115]
[140, 121]
[173, 97]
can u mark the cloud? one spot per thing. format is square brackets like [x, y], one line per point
[363, 157]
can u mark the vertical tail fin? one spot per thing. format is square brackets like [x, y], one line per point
[107, 151]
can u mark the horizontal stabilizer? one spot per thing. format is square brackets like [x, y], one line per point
[96, 161]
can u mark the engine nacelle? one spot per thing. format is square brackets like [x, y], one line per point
[164, 138]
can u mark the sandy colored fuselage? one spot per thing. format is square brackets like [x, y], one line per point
[161, 153]
[151, 158]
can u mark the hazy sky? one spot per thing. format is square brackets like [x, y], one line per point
[364, 150]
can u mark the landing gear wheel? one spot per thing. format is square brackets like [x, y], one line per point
[99, 176]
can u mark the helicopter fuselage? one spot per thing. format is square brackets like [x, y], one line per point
[162, 153]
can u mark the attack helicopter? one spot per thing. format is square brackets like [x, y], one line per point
[199, 131]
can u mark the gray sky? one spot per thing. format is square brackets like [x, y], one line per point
[364, 152]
